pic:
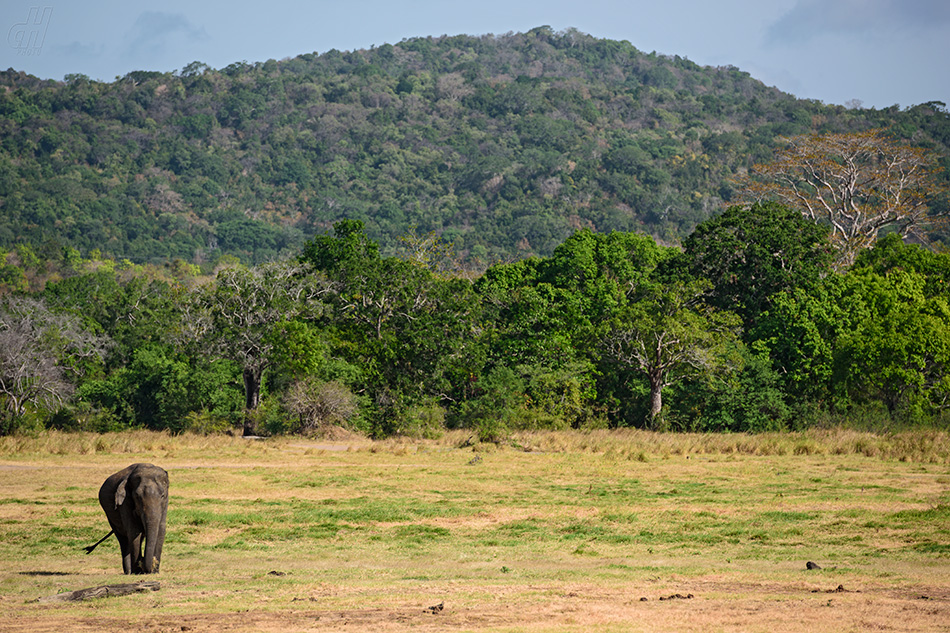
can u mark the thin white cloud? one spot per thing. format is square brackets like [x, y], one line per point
[156, 34]
[79, 50]
[813, 18]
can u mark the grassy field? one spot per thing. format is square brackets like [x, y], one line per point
[603, 531]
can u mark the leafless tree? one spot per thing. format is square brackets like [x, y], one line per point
[858, 183]
[39, 350]
[453, 87]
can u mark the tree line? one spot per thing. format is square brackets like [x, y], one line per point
[752, 325]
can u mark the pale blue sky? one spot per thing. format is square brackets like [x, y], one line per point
[881, 52]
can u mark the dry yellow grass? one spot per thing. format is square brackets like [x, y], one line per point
[558, 532]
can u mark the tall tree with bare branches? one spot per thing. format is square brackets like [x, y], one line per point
[859, 184]
[40, 351]
[240, 315]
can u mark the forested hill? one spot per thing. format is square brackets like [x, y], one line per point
[504, 145]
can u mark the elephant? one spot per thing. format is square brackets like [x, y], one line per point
[135, 501]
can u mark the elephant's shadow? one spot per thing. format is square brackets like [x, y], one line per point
[45, 573]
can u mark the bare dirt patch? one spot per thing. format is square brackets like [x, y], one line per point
[695, 606]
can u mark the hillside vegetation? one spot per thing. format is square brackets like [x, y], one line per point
[501, 145]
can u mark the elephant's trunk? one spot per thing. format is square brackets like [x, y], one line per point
[154, 534]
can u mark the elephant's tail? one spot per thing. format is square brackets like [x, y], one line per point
[92, 547]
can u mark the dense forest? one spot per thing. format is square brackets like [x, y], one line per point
[747, 327]
[539, 230]
[503, 146]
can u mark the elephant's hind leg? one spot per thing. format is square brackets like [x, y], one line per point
[134, 555]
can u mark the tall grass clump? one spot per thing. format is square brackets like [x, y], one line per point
[920, 445]
[140, 441]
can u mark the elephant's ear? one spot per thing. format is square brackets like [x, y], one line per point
[120, 492]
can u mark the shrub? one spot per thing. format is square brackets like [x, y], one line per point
[316, 404]
[206, 422]
[747, 399]
[497, 407]
[425, 421]
[83, 417]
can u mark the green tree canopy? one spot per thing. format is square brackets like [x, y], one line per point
[413, 332]
[750, 253]
[668, 334]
